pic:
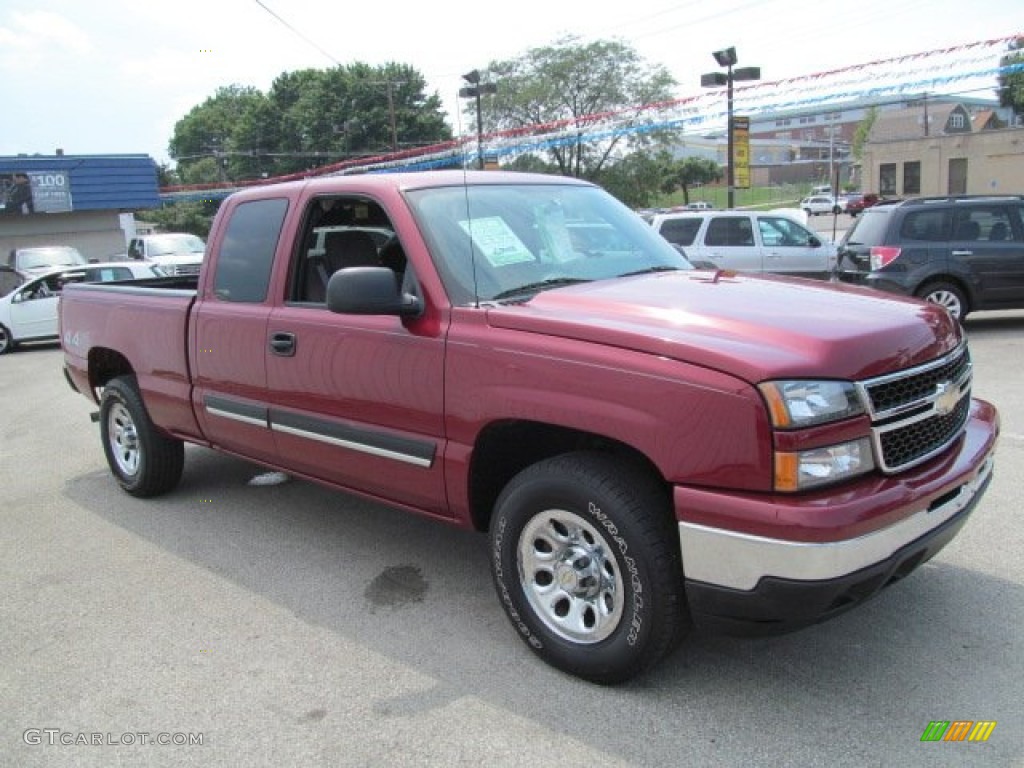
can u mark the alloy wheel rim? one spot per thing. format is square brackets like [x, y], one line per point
[570, 576]
[123, 439]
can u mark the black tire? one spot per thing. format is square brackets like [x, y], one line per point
[585, 559]
[144, 461]
[947, 295]
[6, 341]
[836, 210]
[809, 212]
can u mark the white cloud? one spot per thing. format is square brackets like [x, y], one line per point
[34, 38]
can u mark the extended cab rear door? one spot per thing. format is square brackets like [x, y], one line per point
[228, 331]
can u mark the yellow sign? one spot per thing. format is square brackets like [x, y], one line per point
[741, 152]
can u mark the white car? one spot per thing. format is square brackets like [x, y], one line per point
[40, 259]
[748, 241]
[28, 308]
[816, 204]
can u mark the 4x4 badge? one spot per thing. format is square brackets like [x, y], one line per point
[947, 395]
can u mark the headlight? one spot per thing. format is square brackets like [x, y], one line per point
[796, 404]
[821, 466]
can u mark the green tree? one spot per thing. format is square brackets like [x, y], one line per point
[861, 133]
[308, 118]
[684, 173]
[208, 130]
[1011, 84]
[356, 110]
[637, 178]
[570, 81]
[190, 217]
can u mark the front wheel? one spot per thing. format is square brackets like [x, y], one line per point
[145, 461]
[946, 295]
[585, 559]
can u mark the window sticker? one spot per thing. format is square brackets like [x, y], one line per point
[496, 241]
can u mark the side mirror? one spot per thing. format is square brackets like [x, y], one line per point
[369, 291]
[814, 242]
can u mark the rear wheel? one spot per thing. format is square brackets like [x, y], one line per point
[145, 461]
[946, 295]
[6, 340]
[585, 559]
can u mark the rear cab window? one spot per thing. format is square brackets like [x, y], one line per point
[247, 251]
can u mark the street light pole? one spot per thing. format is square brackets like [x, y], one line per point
[473, 91]
[727, 58]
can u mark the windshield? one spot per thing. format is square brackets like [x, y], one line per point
[510, 241]
[167, 245]
[57, 256]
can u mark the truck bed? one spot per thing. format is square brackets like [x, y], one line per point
[143, 325]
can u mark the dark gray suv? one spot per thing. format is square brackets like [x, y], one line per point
[965, 253]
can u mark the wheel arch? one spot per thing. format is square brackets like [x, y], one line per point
[955, 280]
[503, 449]
[106, 364]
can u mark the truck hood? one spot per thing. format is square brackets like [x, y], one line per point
[756, 328]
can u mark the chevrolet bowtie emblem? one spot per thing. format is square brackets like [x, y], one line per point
[946, 397]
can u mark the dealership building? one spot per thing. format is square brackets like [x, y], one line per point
[85, 201]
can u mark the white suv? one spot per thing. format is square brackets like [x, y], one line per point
[176, 253]
[748, 241]
[816, 204]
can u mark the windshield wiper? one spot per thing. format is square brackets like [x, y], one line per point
[540, 285]
[649, 270]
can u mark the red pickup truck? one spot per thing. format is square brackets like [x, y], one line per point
[649, 446]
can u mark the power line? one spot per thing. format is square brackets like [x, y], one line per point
[299, 34]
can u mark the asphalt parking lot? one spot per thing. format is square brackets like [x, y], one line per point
[288, 625]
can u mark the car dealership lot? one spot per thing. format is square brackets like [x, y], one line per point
[290, 625]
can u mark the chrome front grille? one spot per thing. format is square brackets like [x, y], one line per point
[917, 413]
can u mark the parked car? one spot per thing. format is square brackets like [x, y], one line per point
[857, 204]
[816, 204]
[28, 307]
[696, 205]
[963, 252]
[748, 241]
[37, 260]
[176, 253]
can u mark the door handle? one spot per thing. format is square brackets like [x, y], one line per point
[282, 343]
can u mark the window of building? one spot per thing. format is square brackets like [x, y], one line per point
[887, 179]
[809, 119]
[912, 178]
[956, 120]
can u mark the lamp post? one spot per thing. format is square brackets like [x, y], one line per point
[474, 90]
[727, 58]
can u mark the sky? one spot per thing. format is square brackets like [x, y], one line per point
[114, 76]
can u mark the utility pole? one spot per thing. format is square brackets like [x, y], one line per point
[390, 84]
